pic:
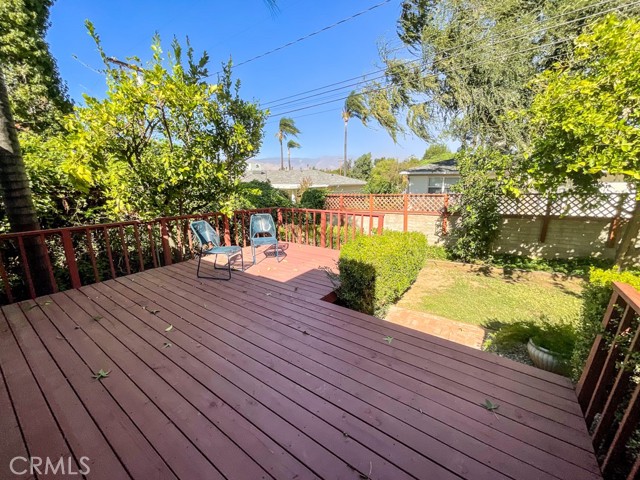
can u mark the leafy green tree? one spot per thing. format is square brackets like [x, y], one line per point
[362, 167]
[256, 194]
[313, 198]
[354, 106]
[37, 94]
[16, 194]
[163, 141]
[586, 120]
[385, 175]
[472, 63]
[286, 127]
[437, 152]
[291, 144]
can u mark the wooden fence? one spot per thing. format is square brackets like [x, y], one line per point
[78, 256]
[614, 207]
[607, 391]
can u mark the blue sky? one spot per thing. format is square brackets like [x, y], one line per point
[243, 29]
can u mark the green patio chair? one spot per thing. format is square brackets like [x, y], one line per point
[209, 241]
[262, 231]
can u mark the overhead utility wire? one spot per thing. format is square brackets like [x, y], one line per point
[536, 47]
[312, 34]
[360, 77]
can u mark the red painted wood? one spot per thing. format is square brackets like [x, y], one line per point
[166, 246]
[5, 281]
[107, 242]
[70, 257]
[136, 234]
[92, 255]
[47, 261]
[125, 249]
[25, 268]
[152, 245]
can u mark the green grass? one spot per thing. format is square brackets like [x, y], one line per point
[480, 295]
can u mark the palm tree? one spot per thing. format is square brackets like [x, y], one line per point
[16, 194]
[291, 144]
[287, 127]
[354, 106]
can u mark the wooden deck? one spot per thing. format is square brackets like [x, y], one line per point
[258, 377]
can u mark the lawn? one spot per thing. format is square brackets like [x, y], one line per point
[477, 294]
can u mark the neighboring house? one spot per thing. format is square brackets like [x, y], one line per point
[436, 177]
[290, 180]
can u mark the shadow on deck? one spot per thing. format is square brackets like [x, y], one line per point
[257, 377]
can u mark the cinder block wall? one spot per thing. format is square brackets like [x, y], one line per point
[566, 237]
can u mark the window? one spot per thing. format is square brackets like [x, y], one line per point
[441, 184]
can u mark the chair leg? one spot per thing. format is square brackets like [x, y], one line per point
[253, 251]
[277, 252]
[242, 260]
[198, 270]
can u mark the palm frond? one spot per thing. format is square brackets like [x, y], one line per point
[292, 144]
[355, 106]
[288, 127]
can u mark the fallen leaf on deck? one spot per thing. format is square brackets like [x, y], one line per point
[101, 374]
[169, 328]
[166, 345]
[388, 339]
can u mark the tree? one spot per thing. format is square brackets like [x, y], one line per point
[362, 167]
[163, 141]
[437, 152]
[37, 94]
[354, 106]
[585, 118]
[472, 63]
[16, 194]
[291, 144]
[286, 127]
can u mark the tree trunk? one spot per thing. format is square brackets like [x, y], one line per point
[281, 156]
[629, 238]
[16, 194]
[344, 164]
[289, 157]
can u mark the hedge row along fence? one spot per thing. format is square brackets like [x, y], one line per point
[615, 207]
[82, 255]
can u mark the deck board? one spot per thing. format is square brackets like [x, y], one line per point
[258, 377]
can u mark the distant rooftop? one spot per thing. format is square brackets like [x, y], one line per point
[438, 168]
[290, 179]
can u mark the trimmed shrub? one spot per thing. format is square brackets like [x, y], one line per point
[376, 270]
[313, 198]
[595, 298]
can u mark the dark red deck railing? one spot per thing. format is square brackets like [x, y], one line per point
[86, 254]
[607, 391]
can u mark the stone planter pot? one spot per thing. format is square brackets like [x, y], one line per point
[544, 359]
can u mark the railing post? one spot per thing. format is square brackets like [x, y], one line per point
[227, 232]
[615, 222]
[405, 210]
[70, 256]
[380, 224]
[166, 246]
[545, 222]
[445, 214]
[323, 230]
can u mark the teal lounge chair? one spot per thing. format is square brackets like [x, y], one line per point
[262, 231]
[210, 245]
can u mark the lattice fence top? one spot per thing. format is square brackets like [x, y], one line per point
[606, 206]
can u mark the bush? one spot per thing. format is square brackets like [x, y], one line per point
[256, 194]
[313, 198]
[595, 298]
[376, 270]
[437, 252]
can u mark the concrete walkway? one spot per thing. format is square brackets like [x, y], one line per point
[464, 333]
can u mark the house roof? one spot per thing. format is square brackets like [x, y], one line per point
[288, 179]
[438, 168]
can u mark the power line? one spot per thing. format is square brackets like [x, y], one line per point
[362, 78]
[309, 35]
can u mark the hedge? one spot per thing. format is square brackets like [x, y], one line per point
[376, 270]
[595, 298]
